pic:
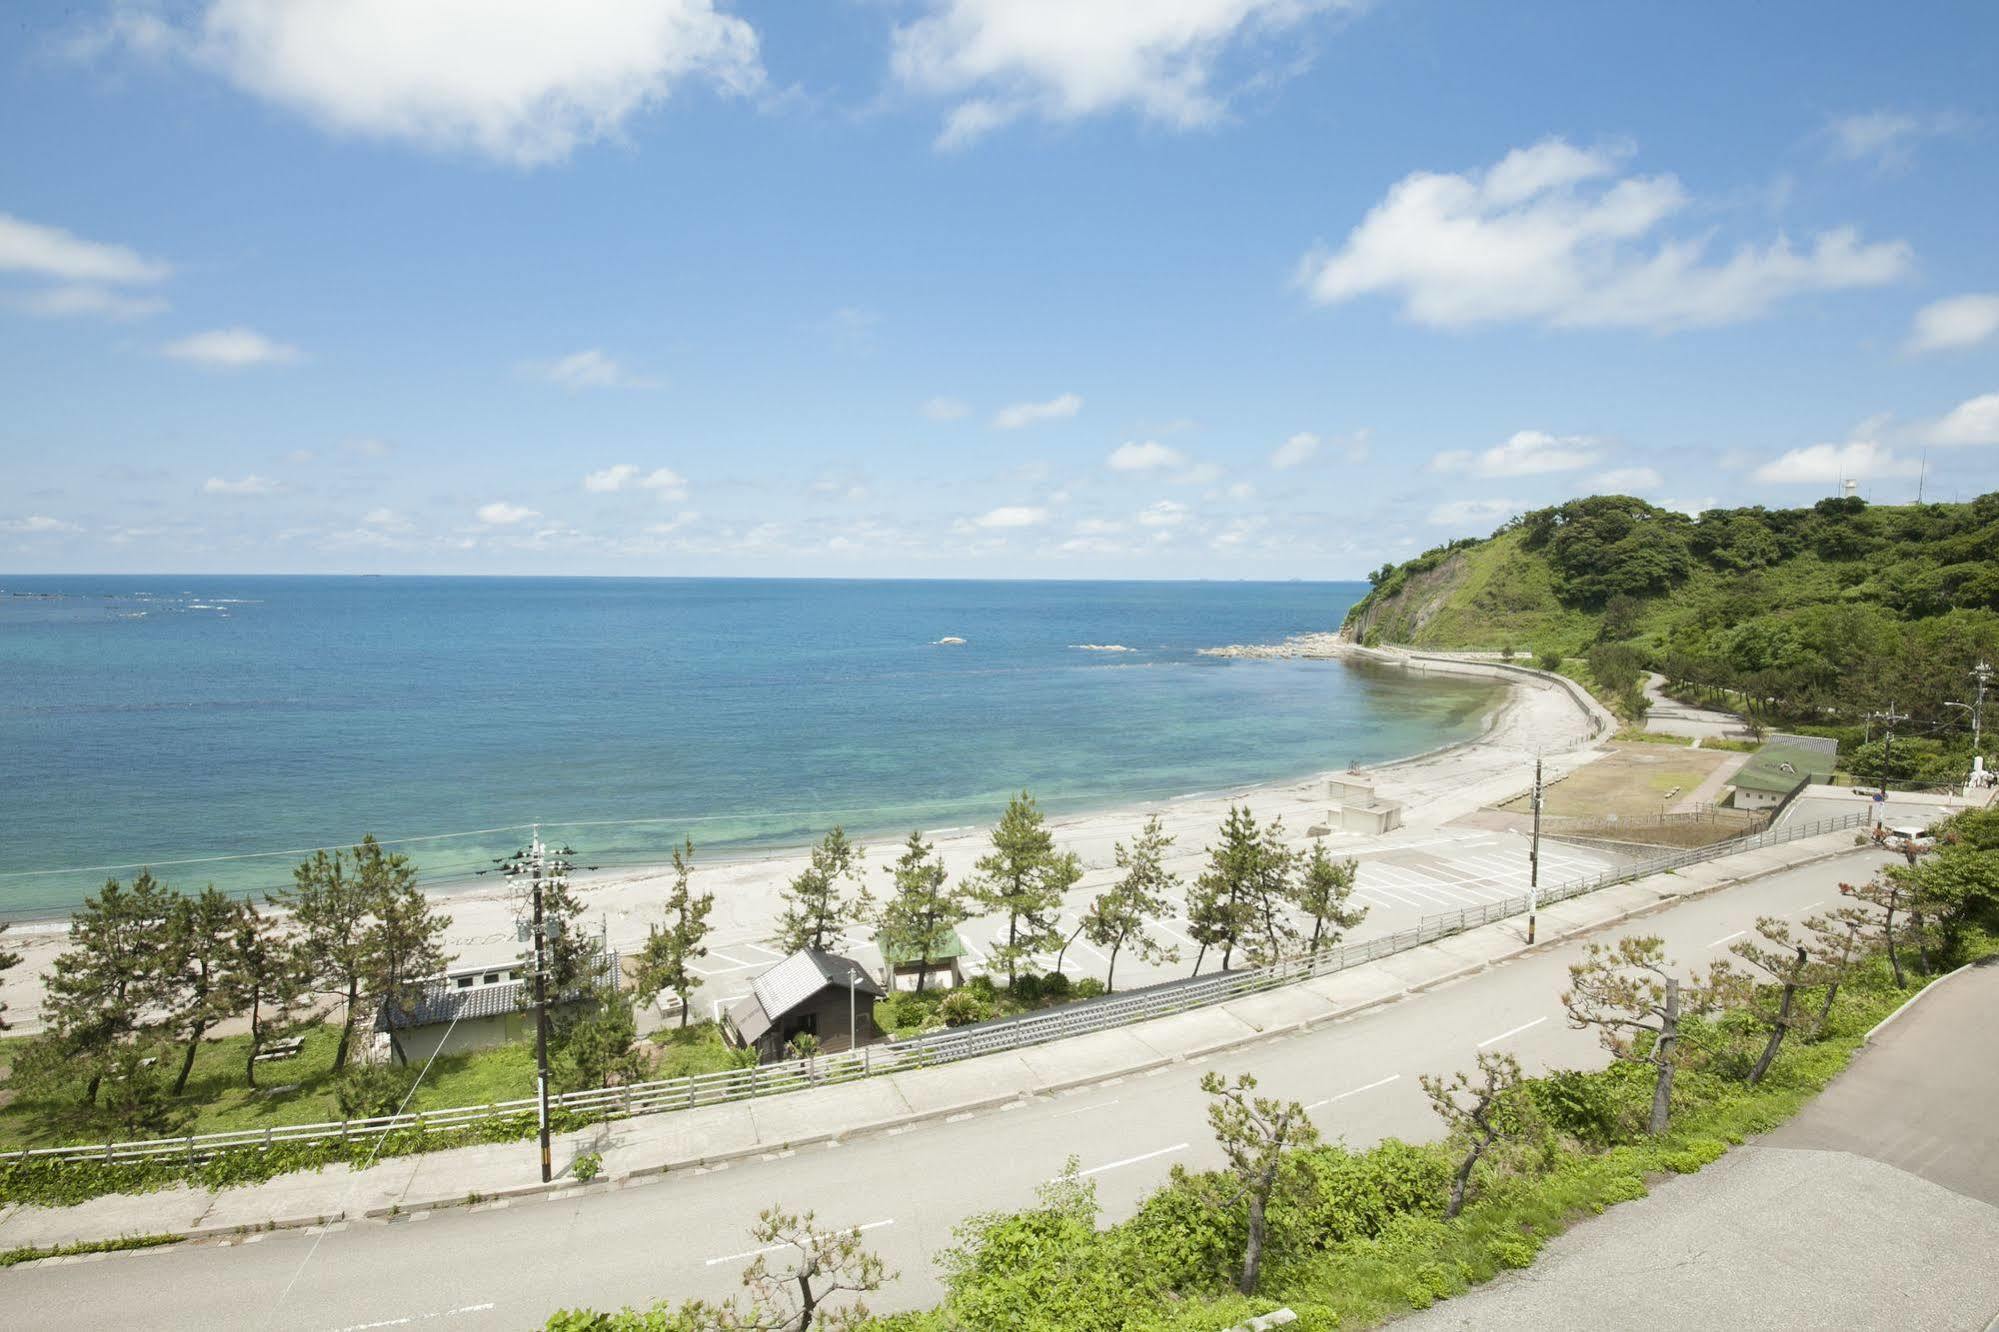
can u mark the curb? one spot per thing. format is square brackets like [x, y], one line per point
[559, 1189]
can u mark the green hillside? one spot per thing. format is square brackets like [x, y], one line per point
[1800, 616]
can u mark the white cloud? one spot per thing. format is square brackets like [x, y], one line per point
[369, 448]
[1825, 464]
[1975, 421]
[1463, 513]
[386, 519]
[38, 524]
[245, 485]
[1295, 451]
[523, 81]
[1147, 457]
[51, 252]
[1960, 321]
[1242, 490]
[84, 299]
[669, 484]
[1027, 413]
[502, 514]
[589, 368]
[1885, 137]
[1200, 474]
[1693, 508]
[1525, 453]
[1063, 60]
[946, 409]
[231, 349]
[1011, 515]
[1550, 235]
[1626, 481]
[1098, 527]
[1163, 513]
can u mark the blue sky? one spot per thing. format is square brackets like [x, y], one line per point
[989, 288]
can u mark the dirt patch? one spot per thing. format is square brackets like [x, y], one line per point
[1629, 782]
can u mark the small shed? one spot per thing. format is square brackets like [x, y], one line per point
[1775, 773]
[808, 992]
[941, 969]
[469, 1007]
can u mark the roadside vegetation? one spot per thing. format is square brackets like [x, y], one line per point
[1805, 619]
[1700, 1061]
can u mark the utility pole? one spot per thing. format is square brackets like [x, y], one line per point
[1888, 720]
[853, 1032]
[536, 865]
[1534, 856]
[1982, 674]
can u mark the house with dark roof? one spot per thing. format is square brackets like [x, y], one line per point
[809, 992]
[469, 1007]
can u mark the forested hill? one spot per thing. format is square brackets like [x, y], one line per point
[1823, 613]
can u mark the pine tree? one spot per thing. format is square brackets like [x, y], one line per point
[916, 923]
[1325, 893]
[330, 909]
[1025, 877]
[102, 988]
[1271, 889]
[198, 934]
[816, 905]
[264, 980]
[1220, 909]
[1117, 919]
[666, 960]
[404, 941]
[601, 1047]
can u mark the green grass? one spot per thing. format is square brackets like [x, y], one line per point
[693, 1050]
[294, 1091]
[15, 1257]
[1633, 735]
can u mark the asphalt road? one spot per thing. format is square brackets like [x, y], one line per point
[687, 1235]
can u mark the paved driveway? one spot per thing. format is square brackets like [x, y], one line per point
[1877, 1207]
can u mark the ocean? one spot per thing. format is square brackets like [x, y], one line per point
[216, 728]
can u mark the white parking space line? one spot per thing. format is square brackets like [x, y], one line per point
[771, 953]
[1494, 1040]
[773, 1248]
[1085, 1109]
[1726, 937]
[1355, 1092]
[1164, 928]
[1132, 1160]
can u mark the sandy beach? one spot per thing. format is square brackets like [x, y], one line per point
[1537, 717]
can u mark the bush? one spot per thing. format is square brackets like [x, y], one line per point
[1549, 660]
[1027, 988]
[1088, 988]
[1056, 987]
[585, 1167]
[1347, 1195]
[963, 1007]
[1587, 1107]
[369, 1091]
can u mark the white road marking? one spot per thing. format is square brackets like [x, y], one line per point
[1355, 1092]
[773, 1248]
[1084, 1109]
[415, 1318]
[1133, 1160]
[1726, 937]
[1504, 1034]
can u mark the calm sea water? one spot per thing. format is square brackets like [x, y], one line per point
[174, 721]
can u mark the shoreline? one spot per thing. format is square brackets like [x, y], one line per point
[1435, 786]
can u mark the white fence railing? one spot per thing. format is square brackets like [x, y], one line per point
[1074, 1019]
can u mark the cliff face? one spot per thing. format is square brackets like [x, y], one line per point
[1403, 615]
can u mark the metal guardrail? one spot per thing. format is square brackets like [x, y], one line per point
[1074, 1019]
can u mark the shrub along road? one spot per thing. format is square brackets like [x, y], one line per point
[686, 1235]
[1876, 1207]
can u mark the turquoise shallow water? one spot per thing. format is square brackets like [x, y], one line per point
[169, 720]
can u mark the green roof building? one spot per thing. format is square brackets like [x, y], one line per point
[1775, 773]
[905, 968]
